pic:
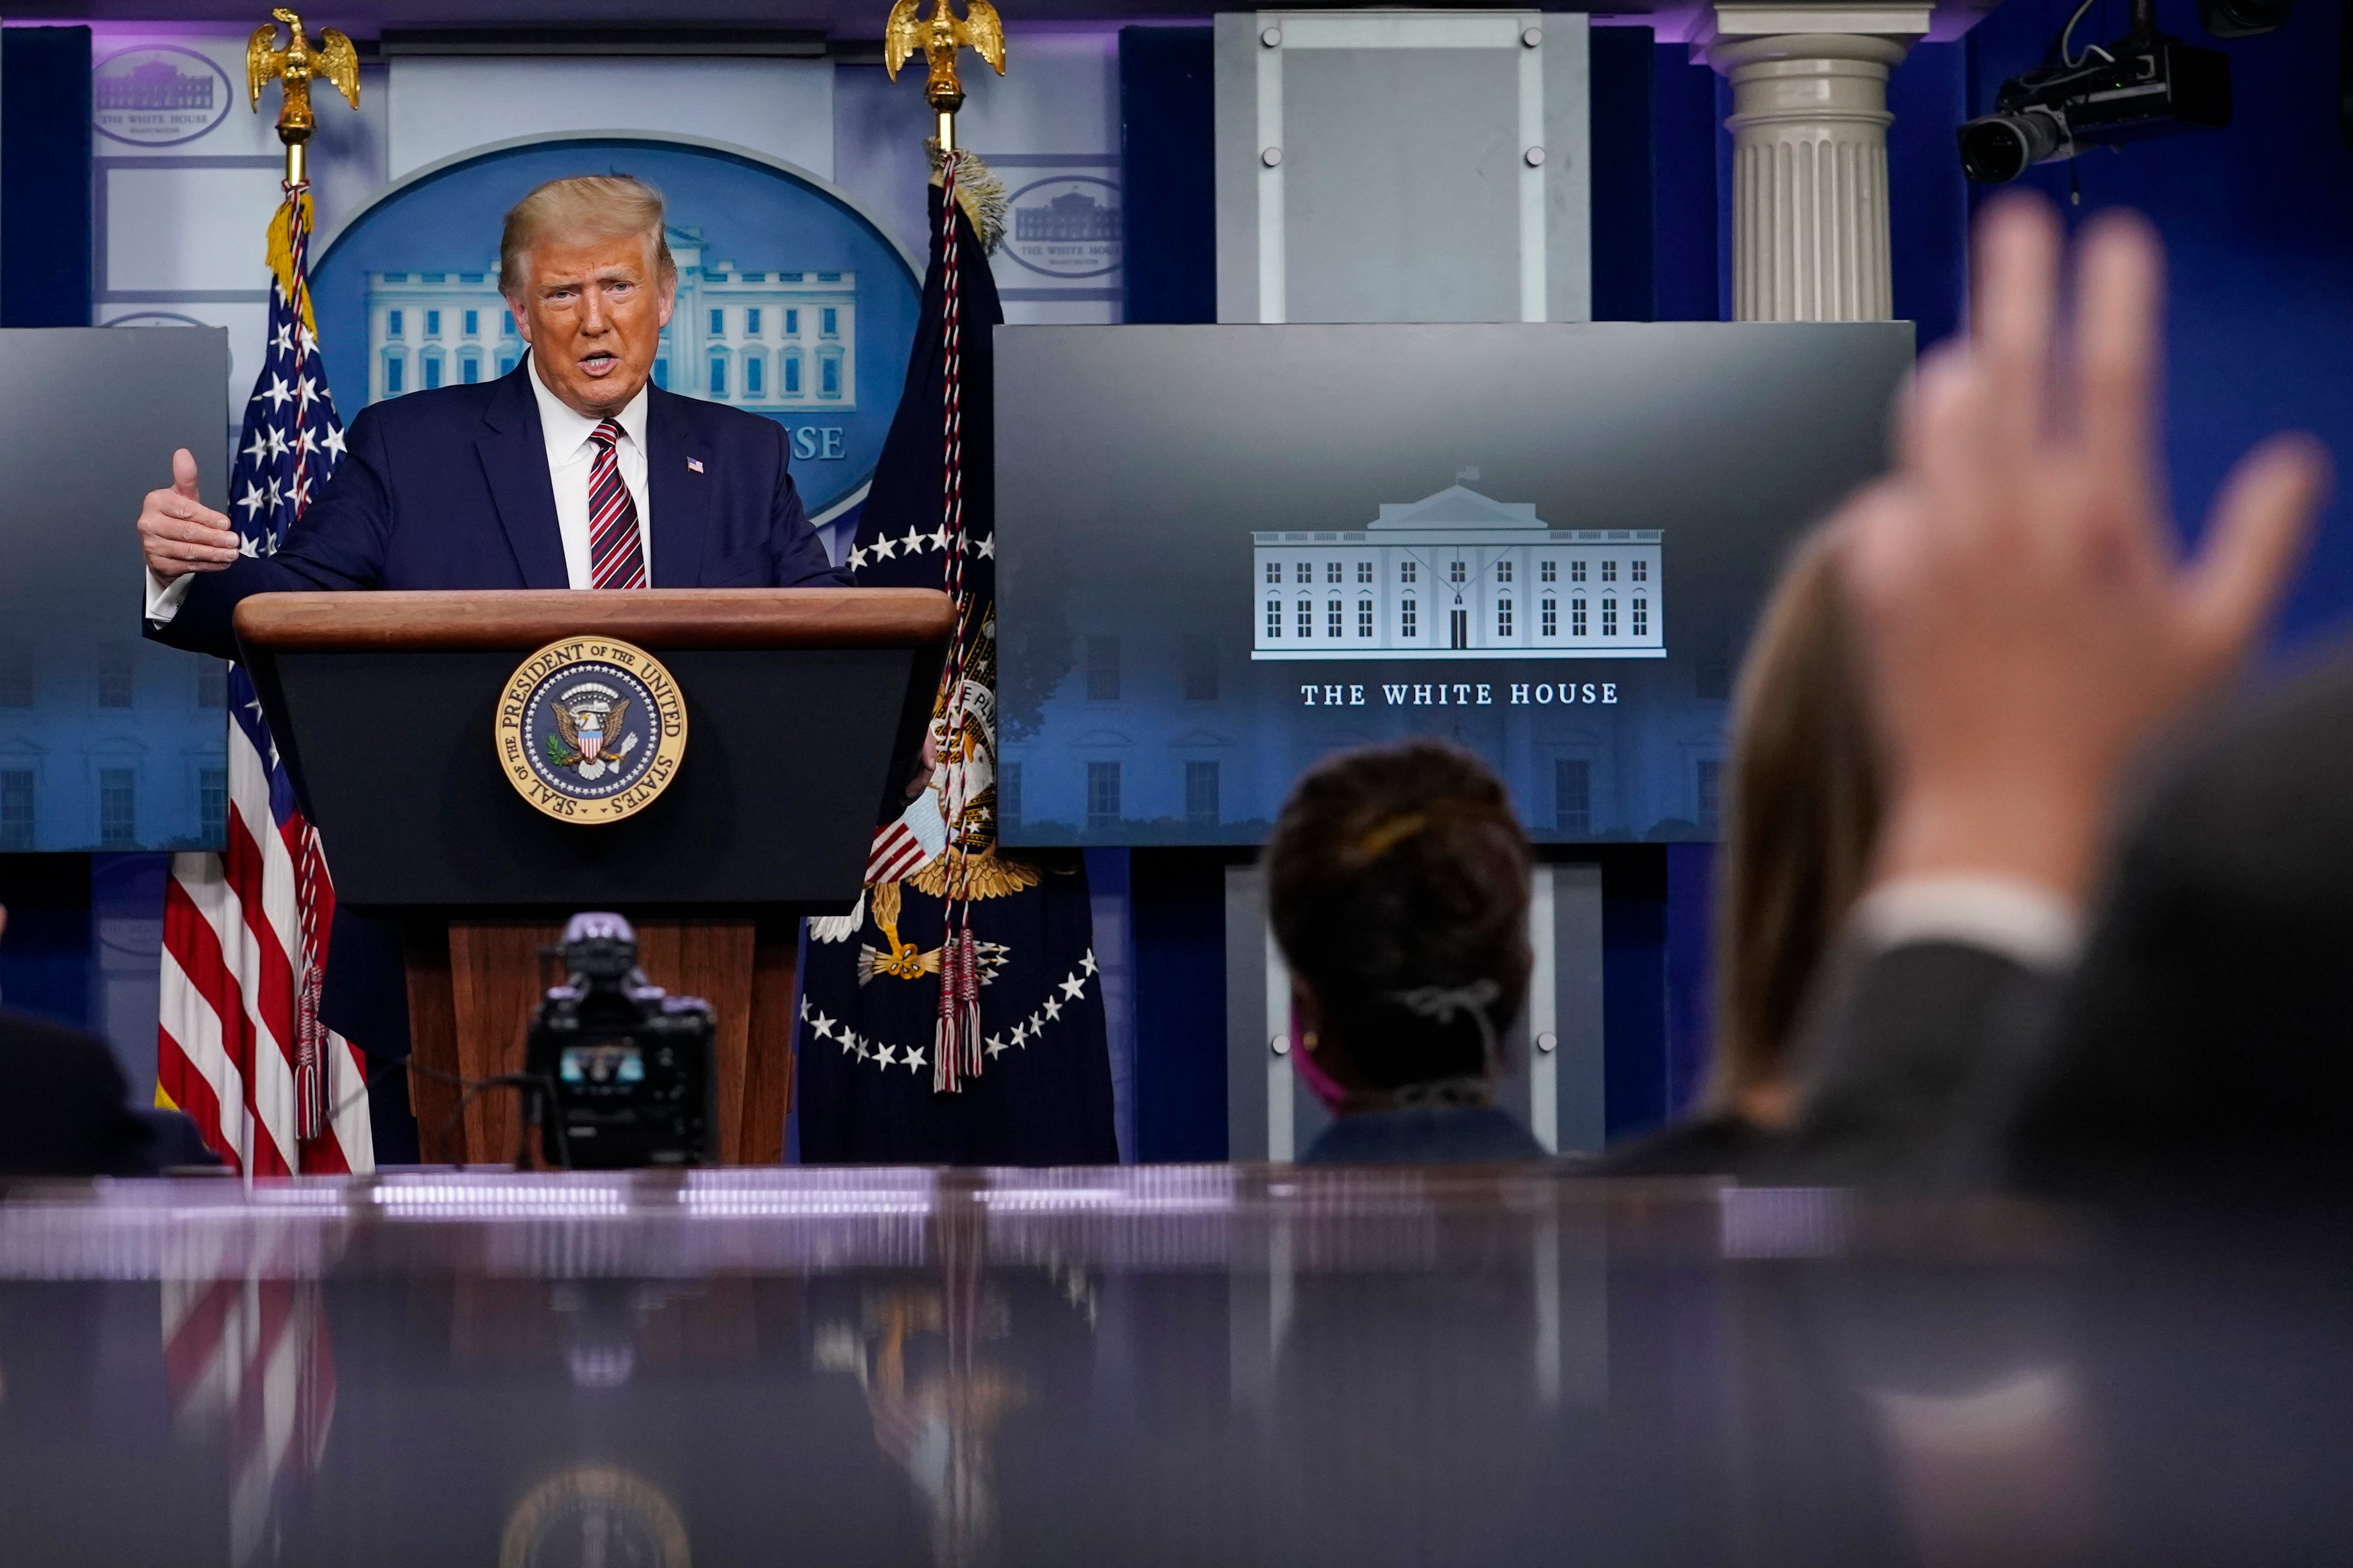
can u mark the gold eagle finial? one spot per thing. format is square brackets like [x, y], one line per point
[333, 57]
[937, 38]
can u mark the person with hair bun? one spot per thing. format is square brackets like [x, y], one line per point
[1398, 886]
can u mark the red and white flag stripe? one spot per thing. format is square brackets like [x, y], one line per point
[904, 846]
[232, 962]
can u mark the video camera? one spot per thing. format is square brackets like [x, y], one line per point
[2143, 84]
[624, 1069]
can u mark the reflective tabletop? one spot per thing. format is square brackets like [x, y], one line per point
[1179, 1364]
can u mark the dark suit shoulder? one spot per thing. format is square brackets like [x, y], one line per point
[65, 1113]
[23, 1035]
[2202, 1046]
[440, 409]
[716, 423]
[1724, 1145]
[2269, 792]
[1911, 1060]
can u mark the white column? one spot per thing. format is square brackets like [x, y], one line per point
[1809, 231]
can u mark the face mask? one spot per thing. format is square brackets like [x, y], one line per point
[1321, 1084]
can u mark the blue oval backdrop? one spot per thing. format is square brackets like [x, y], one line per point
[792, 303]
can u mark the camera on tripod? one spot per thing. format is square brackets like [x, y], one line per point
[624, 1069]
[2143, 84]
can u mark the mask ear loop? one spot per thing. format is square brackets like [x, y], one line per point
[1441, 1004]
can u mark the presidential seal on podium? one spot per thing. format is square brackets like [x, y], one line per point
[591, 729]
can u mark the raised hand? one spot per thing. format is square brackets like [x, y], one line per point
[178, 532]
[2029, 621]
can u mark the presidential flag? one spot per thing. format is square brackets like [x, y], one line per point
[955, 1017]
[240, 1046]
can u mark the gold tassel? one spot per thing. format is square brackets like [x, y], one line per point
[980, 191]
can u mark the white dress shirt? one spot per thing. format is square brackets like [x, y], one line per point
[2023, 921]
[571, 456]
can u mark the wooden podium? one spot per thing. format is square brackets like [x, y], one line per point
[805, 712]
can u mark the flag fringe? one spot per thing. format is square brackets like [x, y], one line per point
[977, 190]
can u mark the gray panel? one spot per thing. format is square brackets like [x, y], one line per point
[89, 416]
[1577, 948]
[1237, 156]
[1568, 169]
[1578, 1083]
[1400, 185]
[1245, 1045]
[1401, 173]
[1259, 1081]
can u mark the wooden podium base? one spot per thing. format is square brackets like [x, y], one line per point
[472, 993]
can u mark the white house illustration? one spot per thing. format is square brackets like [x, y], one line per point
[775, 343]
[1457, 576]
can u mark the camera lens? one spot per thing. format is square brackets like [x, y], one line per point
[1998, 147]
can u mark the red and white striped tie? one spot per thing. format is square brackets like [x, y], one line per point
[616, 559]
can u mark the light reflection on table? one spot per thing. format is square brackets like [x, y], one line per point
[1162, 1365]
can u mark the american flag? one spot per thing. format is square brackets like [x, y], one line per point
[240, 1046]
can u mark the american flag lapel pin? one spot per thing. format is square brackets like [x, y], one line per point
[694, 465]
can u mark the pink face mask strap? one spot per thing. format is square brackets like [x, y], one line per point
[1321, 1084]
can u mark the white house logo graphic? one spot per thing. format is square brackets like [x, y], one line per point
[1066, 226]
[156, 96]
[1457, 576]
[773, 342]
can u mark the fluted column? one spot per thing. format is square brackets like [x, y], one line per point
[1810, 232]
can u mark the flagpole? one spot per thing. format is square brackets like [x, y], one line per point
[296, 64]
[303, 923]
[956, 1043]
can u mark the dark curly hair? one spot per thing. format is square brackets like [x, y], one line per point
[1398, 885]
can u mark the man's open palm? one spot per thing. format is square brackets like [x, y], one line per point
[2028, 620]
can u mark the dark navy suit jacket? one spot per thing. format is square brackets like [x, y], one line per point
[450, 489]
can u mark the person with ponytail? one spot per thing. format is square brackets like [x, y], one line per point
[1398, 886]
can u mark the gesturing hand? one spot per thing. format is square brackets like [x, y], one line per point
[2028, 621]
[178, 532]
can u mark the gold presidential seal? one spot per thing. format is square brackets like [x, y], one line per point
[591, 729]
[595, 1513]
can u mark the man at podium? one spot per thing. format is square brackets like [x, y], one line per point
[572, 471]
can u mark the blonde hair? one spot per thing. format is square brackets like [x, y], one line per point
[1802, 813]
[589, 207]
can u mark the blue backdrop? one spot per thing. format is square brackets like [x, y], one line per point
[2258, 225]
